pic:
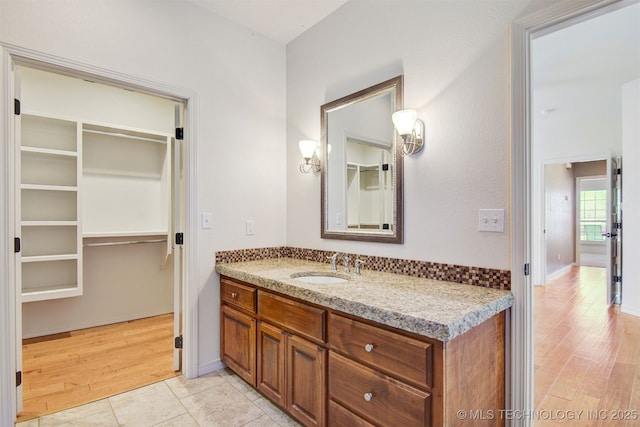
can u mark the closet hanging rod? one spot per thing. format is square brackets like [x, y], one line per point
[124, 135]
[130, 242]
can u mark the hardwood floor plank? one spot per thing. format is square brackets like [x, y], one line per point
[65, 370]
[587, 353]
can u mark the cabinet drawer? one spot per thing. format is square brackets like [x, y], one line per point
[301, 318]
[374, 396]
[341, 416]
[398, 355]
[238, 295]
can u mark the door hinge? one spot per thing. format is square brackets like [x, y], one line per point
[17, 246]
[16, 106]
[617, 279]
[178, 342]
[18, 378]
[617, 225]
[526, 269]
[619, 171]
[179, 238]
[179, 133]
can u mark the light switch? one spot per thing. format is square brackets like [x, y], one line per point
[251, 227]
[491, 220]
[207, 219]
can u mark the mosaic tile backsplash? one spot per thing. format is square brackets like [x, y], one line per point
[477, 276]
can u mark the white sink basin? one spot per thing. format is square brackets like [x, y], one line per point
[320, 278]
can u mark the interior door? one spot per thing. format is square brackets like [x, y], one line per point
[614, 232]
[178, 253]
[18, 235]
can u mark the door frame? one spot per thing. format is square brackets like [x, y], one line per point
[15, 55]
[522, 31]
[539, 212]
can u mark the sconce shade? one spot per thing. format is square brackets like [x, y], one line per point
[307, 148]
[404, 121]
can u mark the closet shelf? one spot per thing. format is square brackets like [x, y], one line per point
[48, 151]
[125, 133]
[95, 234]
[51, 292]
[44, 258]
[48, 187]
[48, 223]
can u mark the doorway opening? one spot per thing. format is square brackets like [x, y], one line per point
[96, 192]
[581, 337]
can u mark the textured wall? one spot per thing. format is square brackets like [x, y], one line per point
[239, 81]
[454, 57]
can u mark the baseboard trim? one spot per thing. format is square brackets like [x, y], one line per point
[634, 311]
[559, 272]
[209, 367]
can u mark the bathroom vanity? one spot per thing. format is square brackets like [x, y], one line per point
[377, 349]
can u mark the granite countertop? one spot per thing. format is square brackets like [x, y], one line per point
[432, 308]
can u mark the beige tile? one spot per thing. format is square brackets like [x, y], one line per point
[96, 414]
[29, 423]
[183, 387]
[275, 413]
[247, 391]
[223, 406]
[185, 420]
[146, 406]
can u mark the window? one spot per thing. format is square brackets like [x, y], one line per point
[593, 215]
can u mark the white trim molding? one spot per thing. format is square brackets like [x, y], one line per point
[7, 267]
[11, 55]
[521, 34]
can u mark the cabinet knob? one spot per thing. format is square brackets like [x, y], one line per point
[234, 295]
[368, 348]
[368, 397]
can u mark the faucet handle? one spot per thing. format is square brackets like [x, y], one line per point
[357, 265]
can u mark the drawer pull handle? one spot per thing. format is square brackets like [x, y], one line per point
[234, 295]
[368, 397]
[368, 348]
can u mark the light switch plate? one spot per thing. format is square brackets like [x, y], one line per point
[207, 219]
[251, 227]
[491, 220]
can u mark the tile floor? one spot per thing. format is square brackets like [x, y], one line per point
[216, 399]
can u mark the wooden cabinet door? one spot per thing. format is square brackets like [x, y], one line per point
[271, 363]
[306, 381]
[238, 343]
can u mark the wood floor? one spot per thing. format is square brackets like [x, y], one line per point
[587, 354]
[65, 370]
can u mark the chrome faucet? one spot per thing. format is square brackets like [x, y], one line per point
[334, 260]
[357, 265]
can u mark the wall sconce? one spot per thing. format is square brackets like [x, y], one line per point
[309, 150]
[411, 129]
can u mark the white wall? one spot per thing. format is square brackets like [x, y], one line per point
[239, 80]
[454, 57]
[560, 217]
[631, 197]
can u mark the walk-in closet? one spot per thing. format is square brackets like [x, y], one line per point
[98, 205]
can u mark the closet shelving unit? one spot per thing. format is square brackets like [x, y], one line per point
[50, 226]
[81, 181]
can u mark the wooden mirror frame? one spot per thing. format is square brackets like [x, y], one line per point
[394, 84]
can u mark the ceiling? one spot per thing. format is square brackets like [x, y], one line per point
[604, 49]
[279, 20]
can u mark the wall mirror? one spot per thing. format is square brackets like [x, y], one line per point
[362, 166]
